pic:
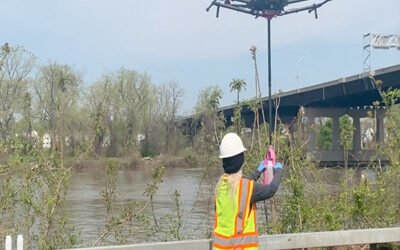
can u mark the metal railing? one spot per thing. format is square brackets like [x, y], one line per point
[283, 241]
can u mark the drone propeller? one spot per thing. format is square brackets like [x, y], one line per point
[247, 7]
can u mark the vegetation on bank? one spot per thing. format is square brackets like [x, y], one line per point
[124, 115]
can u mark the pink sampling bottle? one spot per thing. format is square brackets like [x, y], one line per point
[270, 163]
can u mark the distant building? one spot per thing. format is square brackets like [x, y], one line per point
[46, 140]
[141, 137]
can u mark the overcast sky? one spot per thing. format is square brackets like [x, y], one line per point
[178, 40]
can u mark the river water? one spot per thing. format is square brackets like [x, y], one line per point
[88, 212]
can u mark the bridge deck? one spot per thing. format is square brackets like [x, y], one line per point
[349, 95]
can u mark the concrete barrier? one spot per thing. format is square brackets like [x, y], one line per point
[283, 241]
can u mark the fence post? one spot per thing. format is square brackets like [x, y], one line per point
[8, 242]
[20, 242]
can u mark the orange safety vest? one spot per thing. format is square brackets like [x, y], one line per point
[235, 222]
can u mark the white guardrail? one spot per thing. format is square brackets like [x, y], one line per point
[276, 241]
[283, 241]
[20, 242]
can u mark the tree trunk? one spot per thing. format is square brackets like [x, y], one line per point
[215, 131]
[167, 138]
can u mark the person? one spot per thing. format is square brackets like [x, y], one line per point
[236, 197]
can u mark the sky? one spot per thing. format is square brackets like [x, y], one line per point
[177, 40]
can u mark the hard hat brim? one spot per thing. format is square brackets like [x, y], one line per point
[232, 154]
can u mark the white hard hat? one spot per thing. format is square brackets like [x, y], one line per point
[231, 145]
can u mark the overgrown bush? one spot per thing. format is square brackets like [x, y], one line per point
[307, 204]
[190, 157]
[33, 187]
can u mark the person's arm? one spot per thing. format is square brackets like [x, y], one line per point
[257, 172]
[255, 175]
[262, 192]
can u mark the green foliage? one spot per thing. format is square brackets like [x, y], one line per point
[212, 122]
[346, 132]
[237, 84]
[190, 157]
[208, 100]
[392, 139]
[309, 204]
[325, 135]
[119, 108]
[15, 66]
[5, 50]
[237, 119]
[360, 204]
[32, 194]
[134, 116]
[168, 99]
[171, 226]
[120, 218]
[346, 136]
[111, 114]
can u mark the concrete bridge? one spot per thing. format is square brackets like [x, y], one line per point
[351, 95]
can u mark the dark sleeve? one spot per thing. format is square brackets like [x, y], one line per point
[262, 192]
[255, 175]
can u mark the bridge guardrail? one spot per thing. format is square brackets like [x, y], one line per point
[283, 241]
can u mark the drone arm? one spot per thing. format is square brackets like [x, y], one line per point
[290, 11]
[212, 3]
[232, 7]
[295, 1]
[247, 1]
[310, 8]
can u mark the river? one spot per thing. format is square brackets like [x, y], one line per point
[88, 212]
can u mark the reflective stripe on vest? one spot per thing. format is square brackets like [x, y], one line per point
[244, 212]
[237, 240]
[243, 200]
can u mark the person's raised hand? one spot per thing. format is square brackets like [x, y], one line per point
[261, 167]
[278, 165]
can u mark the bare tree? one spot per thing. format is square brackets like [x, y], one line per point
[56, 89]
[212, 122]
[100, 98]
[16, 64]
[168, 97]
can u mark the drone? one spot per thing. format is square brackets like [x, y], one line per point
[267, 9]
[264, 8]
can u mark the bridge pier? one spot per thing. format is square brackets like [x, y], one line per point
[357, 131]
[380, 126]
[335, 153]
